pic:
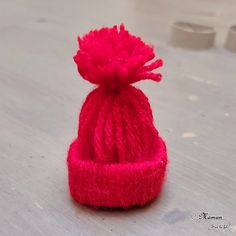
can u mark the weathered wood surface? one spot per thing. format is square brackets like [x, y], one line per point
[41, 94]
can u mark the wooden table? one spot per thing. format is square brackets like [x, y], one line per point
[41, 95]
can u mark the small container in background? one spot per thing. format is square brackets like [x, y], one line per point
[230, 43]
[192, 36]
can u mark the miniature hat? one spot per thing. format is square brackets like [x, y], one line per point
[118, 158]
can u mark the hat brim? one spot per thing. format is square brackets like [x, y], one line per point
[116, 185]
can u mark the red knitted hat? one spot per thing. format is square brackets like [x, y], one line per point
[118, 158]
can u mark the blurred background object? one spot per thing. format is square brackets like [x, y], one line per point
[230, 43]
[192, 36]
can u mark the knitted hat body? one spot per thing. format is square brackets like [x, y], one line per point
[118, 158]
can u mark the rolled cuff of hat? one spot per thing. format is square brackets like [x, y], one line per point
[116, 184]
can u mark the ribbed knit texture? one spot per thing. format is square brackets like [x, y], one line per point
[118, 158]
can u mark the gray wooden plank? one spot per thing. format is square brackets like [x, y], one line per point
[41, 94]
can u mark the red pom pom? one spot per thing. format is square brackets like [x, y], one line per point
[113, 57]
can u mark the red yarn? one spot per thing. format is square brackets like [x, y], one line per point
[116, 185]
[116, 135]
[113, 58]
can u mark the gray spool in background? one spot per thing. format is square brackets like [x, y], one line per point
[192, 36]
[230, 43]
